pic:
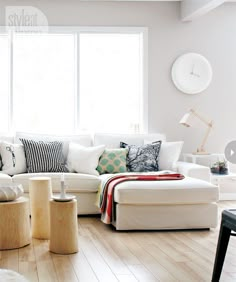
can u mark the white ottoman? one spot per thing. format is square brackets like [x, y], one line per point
[177, 204]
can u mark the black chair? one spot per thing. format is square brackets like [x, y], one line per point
[228, 223]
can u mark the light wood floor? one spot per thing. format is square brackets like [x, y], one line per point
[108, 255]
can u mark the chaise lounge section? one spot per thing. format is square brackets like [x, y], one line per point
[184, 204]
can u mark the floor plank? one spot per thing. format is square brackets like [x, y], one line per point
[108, 255]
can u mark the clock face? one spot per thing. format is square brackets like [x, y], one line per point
[191, 73]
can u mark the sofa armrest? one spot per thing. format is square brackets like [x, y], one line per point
[194, 170]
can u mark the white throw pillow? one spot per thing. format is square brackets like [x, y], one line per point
[169, 154]
[84, 159]
[13, 158]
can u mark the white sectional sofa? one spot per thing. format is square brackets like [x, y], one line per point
[189, 203]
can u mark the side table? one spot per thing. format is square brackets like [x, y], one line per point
[226, 184]
[228, 223]
[63, 227]
[40, 192]
[14, 224]
[205, 160]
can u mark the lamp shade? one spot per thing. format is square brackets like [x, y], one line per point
[187, 119]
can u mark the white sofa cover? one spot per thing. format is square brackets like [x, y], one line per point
[186, 191]
[135, 202]
[182, 204]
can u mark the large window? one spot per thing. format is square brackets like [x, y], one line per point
[5, 83]
[73, 79]
[44, 82]
[110, 82]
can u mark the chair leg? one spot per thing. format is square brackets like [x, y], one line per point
[222, 245]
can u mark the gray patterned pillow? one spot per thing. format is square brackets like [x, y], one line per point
[142, 158]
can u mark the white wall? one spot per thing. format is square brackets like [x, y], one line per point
[213, 35]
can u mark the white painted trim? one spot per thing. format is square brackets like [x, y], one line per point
[145, 81]
[192, 9]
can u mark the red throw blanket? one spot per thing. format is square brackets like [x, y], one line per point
[108, 187]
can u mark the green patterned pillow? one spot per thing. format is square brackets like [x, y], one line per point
[112, 161]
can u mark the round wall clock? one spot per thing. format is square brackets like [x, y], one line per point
[191, 73]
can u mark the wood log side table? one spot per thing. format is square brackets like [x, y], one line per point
[40, 193]
[14, 224]
[63, 227]
[228, 223]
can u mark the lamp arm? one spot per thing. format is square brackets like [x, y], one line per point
[209, 124]
[202, 149]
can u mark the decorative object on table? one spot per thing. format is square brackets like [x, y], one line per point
[220, 167]
[10, 192]
[63, 197]
[40, 192]
[189, 119]
[191, 73]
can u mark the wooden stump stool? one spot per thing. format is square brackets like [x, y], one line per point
[40, 192]
[63, 227]
[14, 224]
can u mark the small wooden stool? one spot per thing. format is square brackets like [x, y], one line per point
[40, 192]
[63, 227]
[14, 224]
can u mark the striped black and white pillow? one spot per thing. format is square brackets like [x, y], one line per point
[43, 156]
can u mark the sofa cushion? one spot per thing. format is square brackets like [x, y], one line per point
[83, 139]
[169, 154]
[113, 161]
[113, 140]
[9, 139]
[75, 182]
[43, 156]
[142, 158]
[84, 159]
[186, 191]
[13, 158]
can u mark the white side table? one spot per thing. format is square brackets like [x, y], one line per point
[205, 160]
[226, 184]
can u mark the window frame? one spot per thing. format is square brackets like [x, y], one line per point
[142, 31]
